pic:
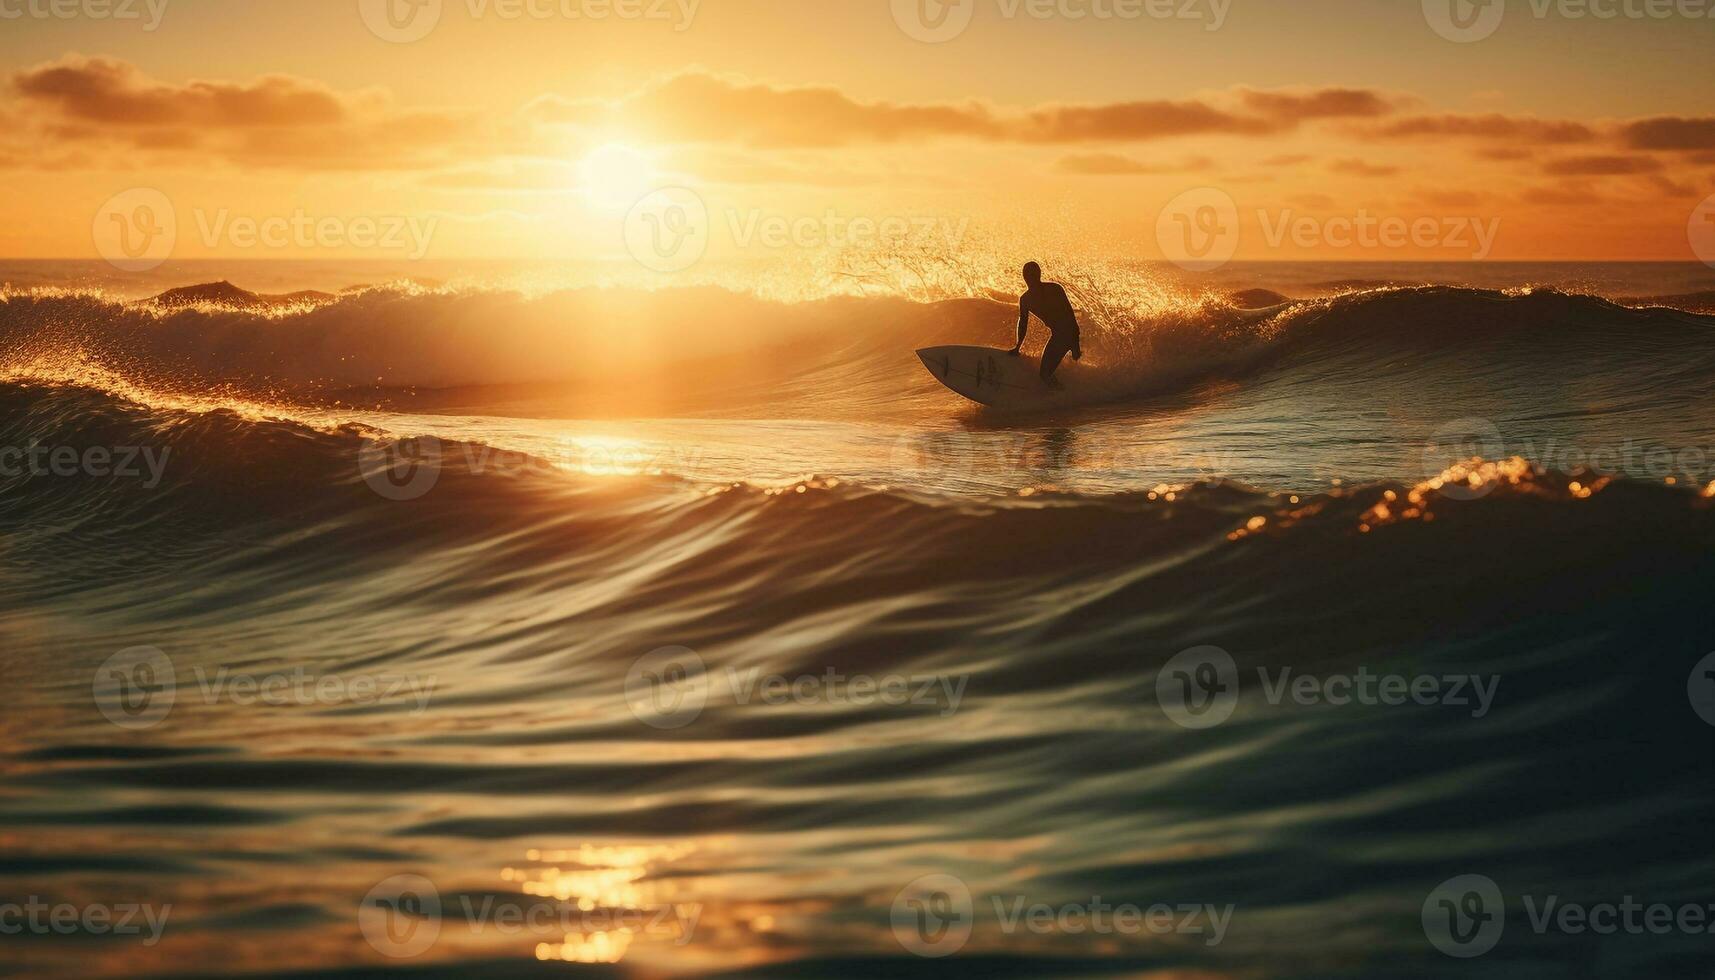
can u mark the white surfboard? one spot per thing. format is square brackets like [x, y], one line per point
[992, 377]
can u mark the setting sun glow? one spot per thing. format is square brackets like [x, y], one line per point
[614, 175]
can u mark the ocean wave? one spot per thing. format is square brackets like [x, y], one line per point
[165, 470]
[707, 347]
[164, 488]
[523, 598]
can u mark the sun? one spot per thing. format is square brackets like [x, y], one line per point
[614, 175]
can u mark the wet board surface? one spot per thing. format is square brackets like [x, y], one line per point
[991, 377]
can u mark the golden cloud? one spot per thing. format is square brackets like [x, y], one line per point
[276, 120]
[698, 107]
[1353, 167]
[1487, 126]
[1602, 166]
[1670, 133]
[1119, 165]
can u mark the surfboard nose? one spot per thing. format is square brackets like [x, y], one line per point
[935, 360]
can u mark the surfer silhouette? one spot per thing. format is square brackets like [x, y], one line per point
[1048, 301]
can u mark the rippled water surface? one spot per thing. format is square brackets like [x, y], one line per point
[417, 637]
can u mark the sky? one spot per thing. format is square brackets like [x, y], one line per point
[1185, 129]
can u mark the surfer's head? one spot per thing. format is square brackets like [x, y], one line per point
[1032, 273]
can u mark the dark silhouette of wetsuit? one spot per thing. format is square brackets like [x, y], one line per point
[1048, 301]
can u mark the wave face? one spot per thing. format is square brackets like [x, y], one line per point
[422, 636]
[701, 350]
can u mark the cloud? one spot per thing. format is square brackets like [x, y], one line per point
[511, 176]
[118, 112]
[694, 107]
[1353, 167]
[1118, 165]
[727, 167]
[84, 112]
[1670, 133]
[698, 107]
[1488, 126]
[276, 120]
[1314, 202]
[114, 93]
[1136, 122]
[1601, 166]
[1505, 154]
[1570, 195]
[1672, 188]
[1329, 103]
[1448, 198]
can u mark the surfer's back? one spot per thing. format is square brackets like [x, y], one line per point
[1049, 302]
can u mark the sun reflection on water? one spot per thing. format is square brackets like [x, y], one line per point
[608, 884]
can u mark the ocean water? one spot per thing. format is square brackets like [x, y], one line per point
[500, 620]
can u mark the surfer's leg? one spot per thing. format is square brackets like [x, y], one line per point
[1052, 356]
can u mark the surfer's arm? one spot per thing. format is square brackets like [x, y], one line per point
[1023, 326]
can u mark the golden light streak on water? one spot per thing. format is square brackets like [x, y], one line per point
[617, 906]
